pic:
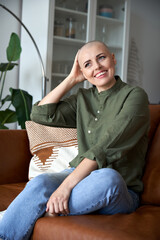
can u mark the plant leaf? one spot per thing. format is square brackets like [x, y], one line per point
[22, 101]
[7, 66]
[14, 48]
[7, 116]
[7, 98]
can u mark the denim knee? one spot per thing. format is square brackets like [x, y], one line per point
[47, 182]
[40, 184]
[110, 179]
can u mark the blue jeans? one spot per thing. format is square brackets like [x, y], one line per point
[102, 192]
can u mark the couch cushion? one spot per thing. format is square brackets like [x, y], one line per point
[154, 120]
[140, 225]
[151, 177]
[52, 148]
[15, 156]
[8, 192]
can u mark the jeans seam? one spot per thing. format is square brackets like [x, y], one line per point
[33, 223]
[82, 212]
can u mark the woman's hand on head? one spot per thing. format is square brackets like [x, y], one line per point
[76, 72]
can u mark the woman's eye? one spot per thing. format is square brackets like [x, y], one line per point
[87, 65]
[102, 57]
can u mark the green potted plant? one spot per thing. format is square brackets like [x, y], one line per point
[19, 99]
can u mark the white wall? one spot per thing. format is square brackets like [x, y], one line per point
[35, 18]
[145, 30]
[27, 75]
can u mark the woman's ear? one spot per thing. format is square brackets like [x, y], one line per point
[114, 59]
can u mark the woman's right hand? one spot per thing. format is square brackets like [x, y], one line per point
[76, 73]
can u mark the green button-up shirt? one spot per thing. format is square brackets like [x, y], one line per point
[112, 127]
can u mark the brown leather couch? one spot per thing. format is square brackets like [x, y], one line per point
[142, 224]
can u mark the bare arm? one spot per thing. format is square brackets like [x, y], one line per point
[68, 83]
[58, 202]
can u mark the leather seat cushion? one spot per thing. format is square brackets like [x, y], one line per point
[140, 225]
[151, 177]
[8, 192]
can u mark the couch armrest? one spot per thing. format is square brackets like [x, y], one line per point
[14, 156]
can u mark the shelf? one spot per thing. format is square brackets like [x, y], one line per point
[110, 20]
[69, 11]
[68, 41]
[60, 75]
[71, 41]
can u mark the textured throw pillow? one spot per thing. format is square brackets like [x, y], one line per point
[52, 148]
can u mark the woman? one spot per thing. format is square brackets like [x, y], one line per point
[112, 122]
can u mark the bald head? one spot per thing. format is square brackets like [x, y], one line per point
[91, 43]
[87, 48]
[97, 64]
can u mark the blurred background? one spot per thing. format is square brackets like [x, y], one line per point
[130, 28]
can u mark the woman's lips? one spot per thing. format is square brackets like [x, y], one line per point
[101, 74]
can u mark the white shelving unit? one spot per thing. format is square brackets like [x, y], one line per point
[88, 25]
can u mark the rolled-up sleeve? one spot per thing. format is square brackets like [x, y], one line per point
[62, 114]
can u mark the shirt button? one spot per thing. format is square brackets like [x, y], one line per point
[89, 131]
[98, 111]
[96, 119]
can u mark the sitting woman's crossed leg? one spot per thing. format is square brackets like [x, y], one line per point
[103, 192]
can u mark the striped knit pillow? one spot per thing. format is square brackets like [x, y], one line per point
[52, 148]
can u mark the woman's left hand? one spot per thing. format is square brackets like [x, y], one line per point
[58, 201]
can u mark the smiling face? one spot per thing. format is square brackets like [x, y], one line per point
[97, 65]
